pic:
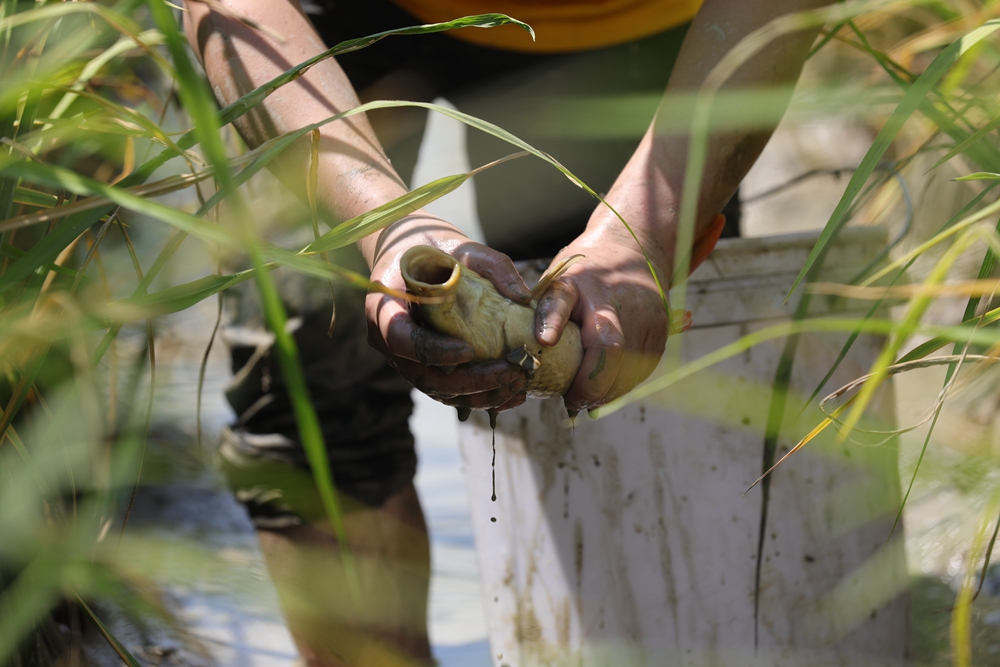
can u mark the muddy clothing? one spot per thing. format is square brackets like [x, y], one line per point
[527, 210]
[363, 404]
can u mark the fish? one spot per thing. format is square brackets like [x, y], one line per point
[457, 301]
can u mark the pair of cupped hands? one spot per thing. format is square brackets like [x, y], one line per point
[610, 293]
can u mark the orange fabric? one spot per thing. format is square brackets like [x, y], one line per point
[680, 321]
[705, 244]
[561, 26]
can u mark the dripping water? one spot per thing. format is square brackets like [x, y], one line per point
[572, 420]
[493, 464]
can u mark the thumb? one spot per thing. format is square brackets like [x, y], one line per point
[499, 270]
[553, 312]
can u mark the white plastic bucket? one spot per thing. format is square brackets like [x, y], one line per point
[628, 541]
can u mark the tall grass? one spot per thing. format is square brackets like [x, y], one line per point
[948, 104]
[84, 161]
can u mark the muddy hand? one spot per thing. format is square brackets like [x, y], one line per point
[436, 364]
[612, 296]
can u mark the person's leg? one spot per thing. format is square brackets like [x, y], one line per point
[376, 612]
[368, 608]
[363, 406]
[386, 624]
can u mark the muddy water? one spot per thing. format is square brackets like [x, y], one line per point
[233, 611]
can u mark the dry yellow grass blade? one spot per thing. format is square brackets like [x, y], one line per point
[962, 288]
[804, 441]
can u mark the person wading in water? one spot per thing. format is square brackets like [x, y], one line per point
[584, 48]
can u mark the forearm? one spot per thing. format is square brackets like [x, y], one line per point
[648, 192]
[354, 174]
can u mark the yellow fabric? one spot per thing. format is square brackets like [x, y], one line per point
[560, 25]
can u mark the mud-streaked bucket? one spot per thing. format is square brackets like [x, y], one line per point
[627, 540]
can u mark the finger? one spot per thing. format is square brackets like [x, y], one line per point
[604, 348]
[633, 369]
[398, 335]
[498, 399]
[515, 401]
[638, 360]
[554, 309]
[499, 270]
[465, 380]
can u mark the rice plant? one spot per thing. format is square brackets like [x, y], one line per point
[104, 116]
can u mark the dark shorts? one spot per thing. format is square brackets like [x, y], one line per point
[362, 403]
[527, 209]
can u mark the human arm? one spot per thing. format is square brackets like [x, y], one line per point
[354, 176]
[611, 293]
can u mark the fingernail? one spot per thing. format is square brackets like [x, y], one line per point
[521, 292]
[547, 335]
[463, 413]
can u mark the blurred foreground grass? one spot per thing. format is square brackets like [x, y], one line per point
[91, 235]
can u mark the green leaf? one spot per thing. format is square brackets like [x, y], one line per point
[913, 98]
[116, 645]
[254, 97]
[90, 70]
[910, 322]
[972, 140]
[60, 177]
[357, 228]
[34, 198]
[177, 298]
[14, 252]
[979, 176]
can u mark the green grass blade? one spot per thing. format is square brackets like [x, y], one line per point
[943, 334]
[195, 94]
[358, 227]
[913, 98]
[948, 231]
[878, 303]
[7, 250]
[947, 117]
[918, 306]
[34, 198]
[243, 105]
[23, 603]
[972, 139]
[253, 98]
[83, 186]
[116, 645]
[174, 299]
[979, 176]
[985, 270]
[62, 9]
[148, 38]
[934, 344]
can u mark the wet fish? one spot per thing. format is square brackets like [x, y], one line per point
[467, 306]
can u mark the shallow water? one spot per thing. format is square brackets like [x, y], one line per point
[234, 611]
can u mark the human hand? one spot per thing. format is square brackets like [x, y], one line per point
[612, 295]
[440, 366]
